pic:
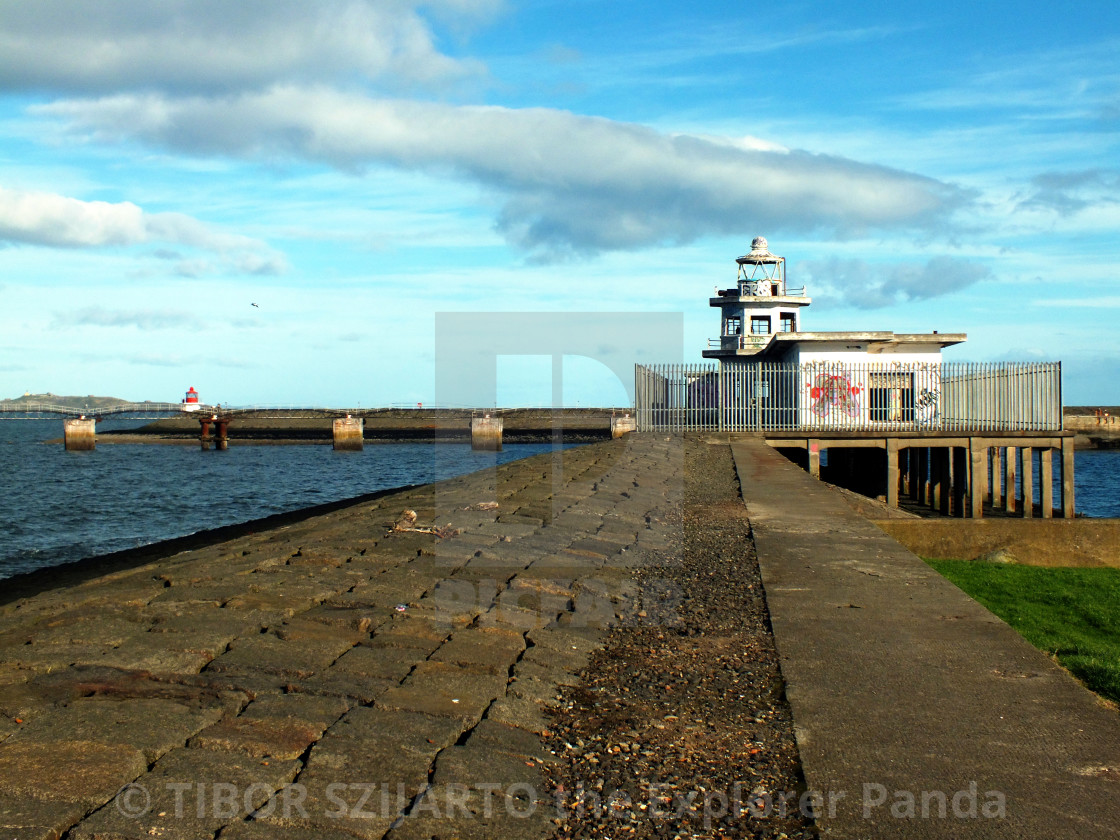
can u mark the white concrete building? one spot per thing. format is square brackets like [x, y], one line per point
[894, 419]
[761, 319]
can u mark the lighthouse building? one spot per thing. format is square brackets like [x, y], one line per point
[761, 320]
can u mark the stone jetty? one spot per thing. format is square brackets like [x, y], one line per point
[575, 645]
[379, 671]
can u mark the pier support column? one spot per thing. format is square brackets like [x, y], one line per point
[919, 486]
[960, 480]
[622, 425]
[1026, 463]
[221, 432]
[79, 434]
[1067, 478]
[813, 447]
[348, 433]
[978, 463]
[939, 489]
[1011, 495]
[892, 471]
[486, 433]
[221, 442]
[1046, 482]
[997, 476]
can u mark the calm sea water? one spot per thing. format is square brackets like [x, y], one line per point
[58, 506]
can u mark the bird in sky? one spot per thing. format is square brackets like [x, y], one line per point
[253, 304]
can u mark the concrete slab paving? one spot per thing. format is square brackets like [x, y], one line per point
[273, 675]
[918, 713]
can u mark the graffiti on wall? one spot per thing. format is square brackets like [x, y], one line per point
[834, 392]
[926, 403]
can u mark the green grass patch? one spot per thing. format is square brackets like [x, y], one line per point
[1072, 614]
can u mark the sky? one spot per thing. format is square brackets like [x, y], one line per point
[281, 202]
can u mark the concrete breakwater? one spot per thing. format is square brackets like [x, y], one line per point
[400, 646]
[388, 425]
[498, 655]
[1096, 428]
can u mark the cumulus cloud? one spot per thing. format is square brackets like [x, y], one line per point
[218, 46]
[865, 285]
[49, 219]
[569, 183]
[1068, 192]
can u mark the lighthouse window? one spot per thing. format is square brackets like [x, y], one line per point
[789, 322]
[760, 325]
[734, 325]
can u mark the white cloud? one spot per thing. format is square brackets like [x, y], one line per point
[143, 319]
[865, 285]
[571, 184]
[219, 46]
[48, 219]
[1070, 192]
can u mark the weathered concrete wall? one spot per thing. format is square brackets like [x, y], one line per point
[348, 433]
[79, 434]
[1034, 542]
[623, 425]
[486, 432]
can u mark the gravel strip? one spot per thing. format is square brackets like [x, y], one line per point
[679, 727]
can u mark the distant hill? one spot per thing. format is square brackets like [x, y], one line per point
[89, 401]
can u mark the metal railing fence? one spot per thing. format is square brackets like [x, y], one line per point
[893, 396]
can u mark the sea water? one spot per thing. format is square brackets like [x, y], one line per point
[58, 506]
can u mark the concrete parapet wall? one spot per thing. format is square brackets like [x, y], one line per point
[79, 434]
[486, 432]
[348, 433]
[1037, 542]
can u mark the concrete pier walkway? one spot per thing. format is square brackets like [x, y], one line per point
[917, 712]
[352, 675]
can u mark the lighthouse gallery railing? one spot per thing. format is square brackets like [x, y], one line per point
[774, 396]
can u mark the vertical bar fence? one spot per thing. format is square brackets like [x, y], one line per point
[843, 396]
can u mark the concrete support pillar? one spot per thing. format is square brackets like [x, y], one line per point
[997, 476]
[622, 425]
[892, 472]
[1046, 482]
[1026, 463]
[904, 470]
[79, 434]
[960, 480]
[1011, 495]
[1067, 478]
[813, 447]
[978, 486]
[940, 492]
[347, 432]
[486, 433]
[919, 487]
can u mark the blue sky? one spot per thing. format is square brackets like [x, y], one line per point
[355, 168]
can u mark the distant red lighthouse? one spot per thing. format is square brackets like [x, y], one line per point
[190, 401]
